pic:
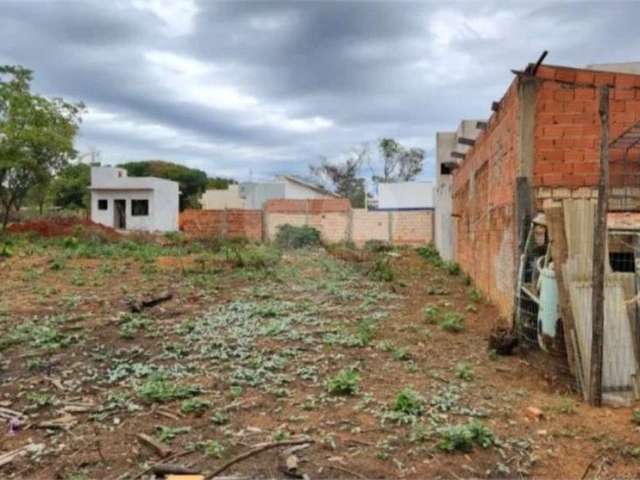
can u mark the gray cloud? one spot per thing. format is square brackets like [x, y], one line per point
[265, 87]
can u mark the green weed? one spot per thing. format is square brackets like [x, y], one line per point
[464, 371]
[462, 437]
[159, 390]
[452, 322]
[344, 382]
[194, 405]
[290, 236]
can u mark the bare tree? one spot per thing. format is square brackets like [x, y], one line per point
[344, 176]
[400, 164]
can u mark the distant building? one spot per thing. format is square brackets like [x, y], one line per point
[133, 203]
[405, 196]
[252, 195]
[449, 147]
[218, 199]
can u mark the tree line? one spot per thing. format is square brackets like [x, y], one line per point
[40, 167]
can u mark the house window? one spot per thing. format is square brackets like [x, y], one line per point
[103, 204]
[139, 208]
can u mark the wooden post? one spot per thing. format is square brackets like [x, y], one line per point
[559, 251]
[599, 250]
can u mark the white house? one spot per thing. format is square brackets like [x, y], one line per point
[405, 195]
[252, 195]
[133, 203]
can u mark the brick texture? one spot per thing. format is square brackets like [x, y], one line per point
[230, 223]
[565, 165]
[370, 225]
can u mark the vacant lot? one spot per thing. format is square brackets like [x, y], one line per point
[378, 359]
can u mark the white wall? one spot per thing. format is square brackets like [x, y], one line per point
[112, 183]
[405, 195]
[221, 199]
[166, 206]
[296, 191]
[107, 217]
[443, 234]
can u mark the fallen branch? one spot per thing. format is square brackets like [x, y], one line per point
[9, 457]
[346, 470]
[8, 413]
[160, 448]
[254, 451]
[138, 306]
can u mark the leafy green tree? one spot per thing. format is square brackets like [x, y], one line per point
[36, 137]
[219, 183]
[400, 164]
[193, 182]
[70, 188]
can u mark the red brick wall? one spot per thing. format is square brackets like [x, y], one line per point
[565, 164]
[567, 134]
[231, 223]
[483, 204]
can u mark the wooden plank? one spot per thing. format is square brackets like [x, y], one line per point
[157, 446]
[599, 251]
[554, 217]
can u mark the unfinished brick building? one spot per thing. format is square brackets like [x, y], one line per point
[540, 145]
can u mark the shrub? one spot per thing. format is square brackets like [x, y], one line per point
[377, 246]
[462, 437]
[194, 405]
[452, 267]
[344, 382]
[431, 313]
[635, 417]
[408, 402]
[464, 371]
[382, 271]
[297, 237]
[430, 254]
[366, 331]
[452, 322]
[252, 257]
[157, 389]
[475, 295]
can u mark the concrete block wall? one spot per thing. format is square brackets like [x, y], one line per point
[370, 225]
[330, 216]
[231, 223]
[337, 222]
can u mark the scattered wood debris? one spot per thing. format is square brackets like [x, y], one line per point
[157, 446]
[137, 306]
[255, 450]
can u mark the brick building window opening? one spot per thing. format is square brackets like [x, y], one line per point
[622, 262]
[139, 208]
[103, 204]
[445, 169]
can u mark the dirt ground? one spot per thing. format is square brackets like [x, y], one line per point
[321, 347]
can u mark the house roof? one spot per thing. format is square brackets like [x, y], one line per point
[312, 186]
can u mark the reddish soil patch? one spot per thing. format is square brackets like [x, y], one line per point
[60, 227]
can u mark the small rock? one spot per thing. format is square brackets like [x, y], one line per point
[534, 413]
[292, 462]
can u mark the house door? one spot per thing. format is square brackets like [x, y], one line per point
[120, 212]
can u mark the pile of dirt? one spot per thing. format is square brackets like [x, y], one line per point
[62, 226]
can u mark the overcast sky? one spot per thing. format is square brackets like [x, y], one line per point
[266, 87]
